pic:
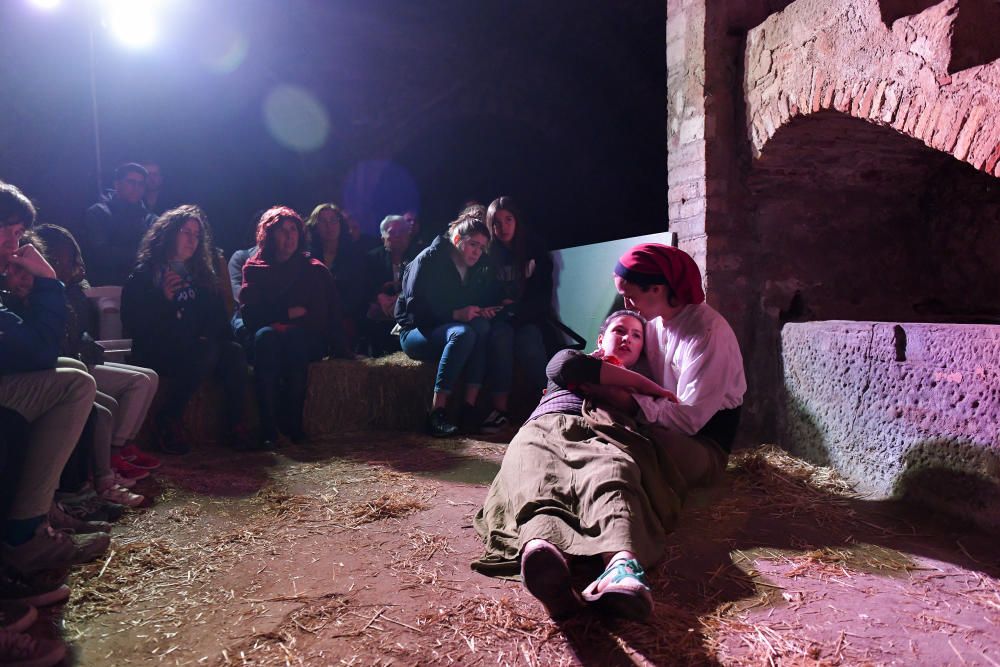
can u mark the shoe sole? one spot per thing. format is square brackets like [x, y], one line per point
[633, 605]
[546, 576]
[47, 598]
[25, 622]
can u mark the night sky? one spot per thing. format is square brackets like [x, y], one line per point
[379, 106]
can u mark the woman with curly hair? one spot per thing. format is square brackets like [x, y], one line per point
[330, 242]
[174, 311]
[287, 302]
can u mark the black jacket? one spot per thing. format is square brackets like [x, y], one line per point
[162, 330]
[112, 231]
[433, 288]
[31, 342]
[532, 294]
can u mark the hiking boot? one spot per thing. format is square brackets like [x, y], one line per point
[16, 616]
[39, 590]
[495, 422]
[439, 426]
[89, 547]
[138, 458]
[60, 520]
[20, 650]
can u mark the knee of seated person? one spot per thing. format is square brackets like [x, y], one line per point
[480, 325]
[265, 336]
[528, 335]
[462, 331]
[80, 386]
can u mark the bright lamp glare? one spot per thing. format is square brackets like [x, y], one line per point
[46, 4]
[133, 22]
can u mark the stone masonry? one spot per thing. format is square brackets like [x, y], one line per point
[905, 410]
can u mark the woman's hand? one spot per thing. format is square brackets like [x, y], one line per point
[29, 259]
[466, 314]
[667, 394]
[171, 284]
[295, 312]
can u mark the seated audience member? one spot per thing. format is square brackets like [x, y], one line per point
[114, 226]
[330, 242]
[287, 306]
[573, 482]
[55, 402]
[133, 387]
[384, 275]
[172, 308]
[93, 452]
[362, 242]
[418, 240]
[443, 313]
[524, 274]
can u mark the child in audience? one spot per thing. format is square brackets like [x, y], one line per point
[172, 308]
[133, 387]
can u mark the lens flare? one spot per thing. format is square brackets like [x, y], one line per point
[133, 22]
[295, 118]
[226, 51]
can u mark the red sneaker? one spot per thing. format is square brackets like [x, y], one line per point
[139, 458]
[126, 469]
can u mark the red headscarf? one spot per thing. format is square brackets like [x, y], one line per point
[657, 264]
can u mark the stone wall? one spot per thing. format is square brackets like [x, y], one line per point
[903, 410]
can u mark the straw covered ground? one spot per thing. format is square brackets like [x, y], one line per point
[356, 551]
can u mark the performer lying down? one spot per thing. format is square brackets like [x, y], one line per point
[582, 481]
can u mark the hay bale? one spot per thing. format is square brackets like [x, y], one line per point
[390, 393]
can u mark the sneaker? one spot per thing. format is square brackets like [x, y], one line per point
[495, 422]
[94, 509]
[126, 469]
[89, 547]
[60, 520]
[47, 549]
[126, 482]
[39, 590]
[121, 495]
[140, 459]
[20, 650]
[438, 424]
[16, 616]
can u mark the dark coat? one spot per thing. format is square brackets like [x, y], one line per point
[269, 290]
[433, 287]
[31, 342]
[532, 295]
[112, 230]
[163, 331]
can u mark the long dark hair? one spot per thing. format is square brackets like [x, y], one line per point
[161, 240]
[315, 242]
[518, 244]
[55, 236]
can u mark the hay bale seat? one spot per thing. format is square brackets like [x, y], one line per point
[390, 393]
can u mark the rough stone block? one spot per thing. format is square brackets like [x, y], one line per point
[903, 410]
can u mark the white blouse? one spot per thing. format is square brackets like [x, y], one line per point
[696, 356]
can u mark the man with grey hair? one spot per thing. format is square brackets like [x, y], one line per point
[384, 271]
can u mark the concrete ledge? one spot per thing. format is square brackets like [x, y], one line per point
[904, 410]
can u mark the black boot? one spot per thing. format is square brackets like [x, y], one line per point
[438, 424]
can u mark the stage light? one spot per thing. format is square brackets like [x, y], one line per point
[133, 22]
[46, 4]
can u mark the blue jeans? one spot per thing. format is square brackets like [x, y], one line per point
[523, 343]
[458, 346]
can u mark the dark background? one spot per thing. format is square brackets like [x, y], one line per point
[427, 104]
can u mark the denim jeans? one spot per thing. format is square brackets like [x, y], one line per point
[458, 346]
[522, 343]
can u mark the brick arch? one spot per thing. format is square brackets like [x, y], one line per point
[839, 55]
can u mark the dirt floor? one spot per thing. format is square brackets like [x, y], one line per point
[356, 551]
